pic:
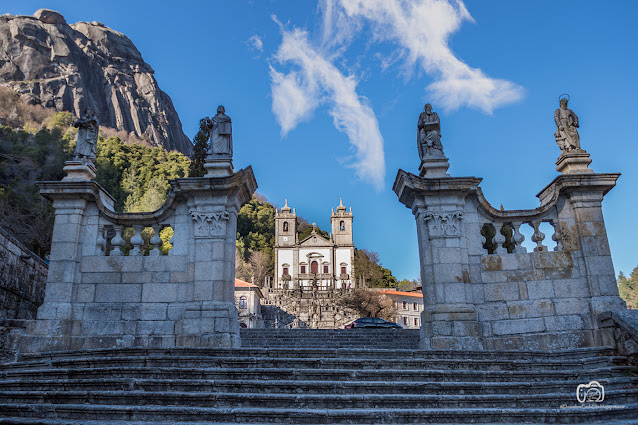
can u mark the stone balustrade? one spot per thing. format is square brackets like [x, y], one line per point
[484, 290]
[162, 278]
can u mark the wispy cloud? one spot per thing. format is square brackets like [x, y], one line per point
[306, 72]
[256, 43]
[315, 79]
[422, 29]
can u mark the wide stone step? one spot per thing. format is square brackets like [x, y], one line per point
[311, 387]
[307, 401]
[164, 414]
[396, 353]
[318, 374]
[33, 421]
[323, 363]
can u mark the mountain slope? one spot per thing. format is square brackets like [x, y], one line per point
[71, 67]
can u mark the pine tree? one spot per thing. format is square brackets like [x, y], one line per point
[199, 150]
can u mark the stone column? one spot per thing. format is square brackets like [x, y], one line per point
[57, 321]
[583, 233]
[449, 319]
[213, 205]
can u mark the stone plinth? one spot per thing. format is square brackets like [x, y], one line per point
[574, 162]
[79, 171]
[104, 291]
[434, 166]
[483, 290]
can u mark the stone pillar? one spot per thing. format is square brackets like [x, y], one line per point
[438, 203]
[213, 206]
[583, 233]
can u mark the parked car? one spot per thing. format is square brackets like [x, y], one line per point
[372, 322]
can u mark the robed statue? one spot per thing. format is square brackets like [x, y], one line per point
[429, 133]
[88, 130]
[221, 137]
[566, 134]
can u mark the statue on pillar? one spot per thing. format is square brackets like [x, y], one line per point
[221, 137]
[566, 134]
[429, 133]
[88, 130]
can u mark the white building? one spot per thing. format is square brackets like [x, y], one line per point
[409, 307]
[248, 302]
[316, 261]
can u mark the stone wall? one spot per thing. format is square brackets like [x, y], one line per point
[22, 279]
[483, 290]
[106, 290]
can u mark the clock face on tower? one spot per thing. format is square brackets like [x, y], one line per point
[285, 238]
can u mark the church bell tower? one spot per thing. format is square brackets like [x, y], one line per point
[285, 227]
[341, 223]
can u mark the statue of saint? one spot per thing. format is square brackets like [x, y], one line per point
[429, 133]
[88, 129]
[221, 137]
[566, 134]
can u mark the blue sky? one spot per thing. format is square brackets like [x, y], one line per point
[357, 75]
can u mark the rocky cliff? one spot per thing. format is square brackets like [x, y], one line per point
[71, 67]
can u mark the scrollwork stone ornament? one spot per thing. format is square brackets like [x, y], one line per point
[209, 224]
[443, 225]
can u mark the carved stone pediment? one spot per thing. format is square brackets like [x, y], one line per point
[209, 224]
[443, 224]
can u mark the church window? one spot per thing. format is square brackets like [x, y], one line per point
[325, 269]
[303, 269]
[405, 305]
[343, 269]
[405, 321]
[415, 306]
[416, 321]
[285, 271]
[314, 267]
[243, 302]
[285, 226]
[342, 226]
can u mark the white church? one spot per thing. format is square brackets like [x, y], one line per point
[315, 262]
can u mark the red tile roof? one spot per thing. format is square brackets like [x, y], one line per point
[404, 294]
[243, 284]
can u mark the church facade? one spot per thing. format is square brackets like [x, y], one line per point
[316, 261]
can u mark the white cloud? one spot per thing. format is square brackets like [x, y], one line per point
[256, 42]
[422, 29]
[298, 93]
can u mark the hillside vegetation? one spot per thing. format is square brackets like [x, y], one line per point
[35, 142]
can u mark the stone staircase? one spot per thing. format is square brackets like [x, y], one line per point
[333, 338]
[306, 382]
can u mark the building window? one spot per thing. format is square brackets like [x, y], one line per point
[243, 302]
[405, 305]
[415, 306]
[285, 226]
[405, 321]
[314, 267]
[416, 321]
[303, 269]
[285, 271]
[325, 269]
[343, 269]
[342, 226]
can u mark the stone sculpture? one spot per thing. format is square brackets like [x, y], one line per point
[566, 134]
[221, 137]
[88, 129]
[429, 133]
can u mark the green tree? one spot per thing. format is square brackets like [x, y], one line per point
[200, 150]
[368, 268]
[628, 288]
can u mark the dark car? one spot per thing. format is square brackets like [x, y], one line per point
[372, 322]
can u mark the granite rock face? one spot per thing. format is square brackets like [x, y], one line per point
[71, 67]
